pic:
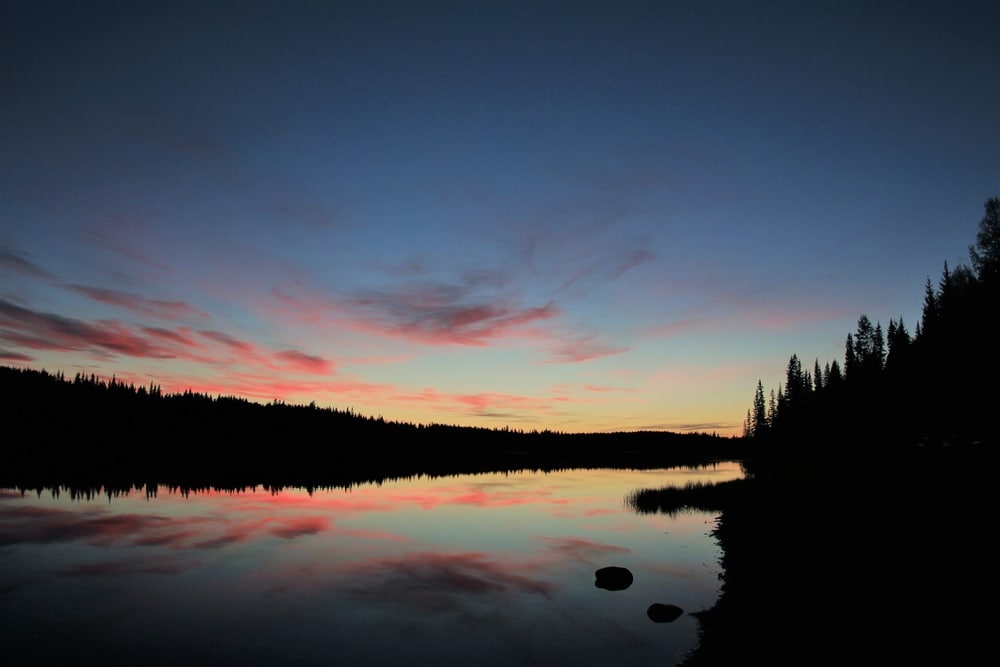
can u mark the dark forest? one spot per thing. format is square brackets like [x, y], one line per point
[88, 431]
[935, 385]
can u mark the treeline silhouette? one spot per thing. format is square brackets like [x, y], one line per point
[936, 385]
[90, 433]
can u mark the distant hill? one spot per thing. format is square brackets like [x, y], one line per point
[87, 429]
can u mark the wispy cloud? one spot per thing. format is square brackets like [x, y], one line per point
[305, 362]
[19, 263]
[605, 266]
[123, 248]
[583, 349]
[181, 336]
[234, 344]
[677, 328]
[492, 405]
[47, 331]
[156, 308]
[446, 314]
[22, 327]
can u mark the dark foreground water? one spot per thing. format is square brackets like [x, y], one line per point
[476, 569]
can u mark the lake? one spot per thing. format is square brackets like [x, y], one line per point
[481, 569]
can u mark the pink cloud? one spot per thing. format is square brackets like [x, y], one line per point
[182, 336]
[510, 407]
[453, 314]
[228, 341]
[263, 387]
[47, 331]
[22, 327]
[119, 339]
[157, 308]
[15, 356]
[583, 349]
[678, 328]
[312, 308]
[305, 362]
[440, 313]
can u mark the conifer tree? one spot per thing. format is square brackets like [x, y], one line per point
[850, 361]
[985, 254]
[928, 322]
[836, 376]
[877, 361]
[758, 418]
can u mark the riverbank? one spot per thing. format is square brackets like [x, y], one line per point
[876, 555]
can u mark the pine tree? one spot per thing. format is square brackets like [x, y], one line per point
[899, 341]
[835, 376]
[795, 391]
[864, 343]
[929, 317]
[850, 361]
[985, 254]
[877, 361]
[758, 417]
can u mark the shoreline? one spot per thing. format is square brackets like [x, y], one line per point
[838, 558]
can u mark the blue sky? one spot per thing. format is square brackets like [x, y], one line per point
[583, 216]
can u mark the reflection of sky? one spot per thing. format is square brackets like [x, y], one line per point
[439, 570]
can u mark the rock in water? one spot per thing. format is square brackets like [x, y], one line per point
[613, 578]
[663, 613]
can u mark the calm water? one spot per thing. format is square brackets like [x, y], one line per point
[476, 569]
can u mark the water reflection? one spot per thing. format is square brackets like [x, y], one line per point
[483, 569]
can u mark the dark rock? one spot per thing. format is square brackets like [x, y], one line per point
[613, 578]
[663, 613]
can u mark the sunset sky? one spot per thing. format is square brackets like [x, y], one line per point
[581, 216]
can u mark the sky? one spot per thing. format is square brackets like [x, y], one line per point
[577, 216]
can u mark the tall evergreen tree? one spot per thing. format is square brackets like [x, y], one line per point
[985, 254]
[898, 340]
[864, 343]
[835, 377]
[877, 361]
[795, 386]
[758, 417]
[929, 316]
[850, 361]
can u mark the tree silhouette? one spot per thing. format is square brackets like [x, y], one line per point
[985, 254]
[758, 417]
[936, 384]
